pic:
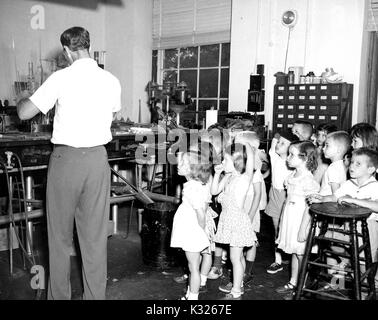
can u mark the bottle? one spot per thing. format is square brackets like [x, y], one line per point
[291, 77]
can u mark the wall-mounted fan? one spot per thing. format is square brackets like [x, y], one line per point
[289, 19]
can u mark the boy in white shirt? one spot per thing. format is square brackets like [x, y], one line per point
[336, 146]
[277, 194]
[360, 190]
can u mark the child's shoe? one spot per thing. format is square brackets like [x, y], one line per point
[287, 288]
[232, 296]
[181, 279]
[215, 273]
[274, 268]
[226, 288]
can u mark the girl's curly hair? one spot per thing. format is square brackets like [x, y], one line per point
[307, 152]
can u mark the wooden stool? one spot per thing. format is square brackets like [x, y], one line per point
[349, 215]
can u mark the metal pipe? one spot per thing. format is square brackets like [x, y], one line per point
[29, 227]
[21, 216]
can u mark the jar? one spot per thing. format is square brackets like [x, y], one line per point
[290, 77]
[302, 79]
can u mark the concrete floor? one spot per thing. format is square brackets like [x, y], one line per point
[130, 279]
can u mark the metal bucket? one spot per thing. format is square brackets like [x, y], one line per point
[157, 221]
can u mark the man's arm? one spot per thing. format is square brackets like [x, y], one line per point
[26, 109]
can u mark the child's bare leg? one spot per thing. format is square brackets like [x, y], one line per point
[194, 259]
[205, 267]
[296, 261]
[236, 256]
[277, 254]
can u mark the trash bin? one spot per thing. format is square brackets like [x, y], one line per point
[157, 221]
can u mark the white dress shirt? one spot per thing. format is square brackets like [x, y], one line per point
[85, 97]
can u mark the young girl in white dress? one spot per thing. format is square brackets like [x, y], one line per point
[295, 217]
[235, 227]
[190, 229]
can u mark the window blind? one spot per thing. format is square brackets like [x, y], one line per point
[372, 23]
[190, 22]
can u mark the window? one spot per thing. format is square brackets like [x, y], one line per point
[204, 68]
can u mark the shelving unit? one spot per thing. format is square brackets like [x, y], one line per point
[316, 103]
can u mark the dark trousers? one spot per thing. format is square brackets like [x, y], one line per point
[78, 189]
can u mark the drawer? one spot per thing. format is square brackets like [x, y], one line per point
[308, 89]
[279, 126]
[334, 98]
[302, 98]
[291, 108]
[289, 126]
[291, 98]
[312, 98]
[312, 89]
[280, 89]
[332, 109]
[301, 108]
[333, 118]
[280, 116]
[322, 118]
[330, 89]
[311, 116]
[291, 90]
[290, 117]
[328, 109]
[280, 98]
[312, 108]
[301, 115]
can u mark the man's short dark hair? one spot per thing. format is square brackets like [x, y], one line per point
[75, 38]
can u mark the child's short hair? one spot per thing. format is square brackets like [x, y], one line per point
[307, 152]
[371, 154]
[367, 133]
[327, 127]
[238, 153]
[200, 167]
[252, 137]
[342, 139]
[307, 127]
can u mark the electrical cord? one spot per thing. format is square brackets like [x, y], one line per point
[30, 258]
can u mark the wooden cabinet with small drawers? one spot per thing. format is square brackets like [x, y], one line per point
[315, 103]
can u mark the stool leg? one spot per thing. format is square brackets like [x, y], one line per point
[322, 245]
[368, 258]
[303, 268]
[355, 259]
[11, 249]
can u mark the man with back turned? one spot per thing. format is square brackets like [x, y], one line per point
[78, 180]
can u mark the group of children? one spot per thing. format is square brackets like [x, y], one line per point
[305, 168]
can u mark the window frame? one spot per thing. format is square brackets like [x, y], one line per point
[196, 99]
